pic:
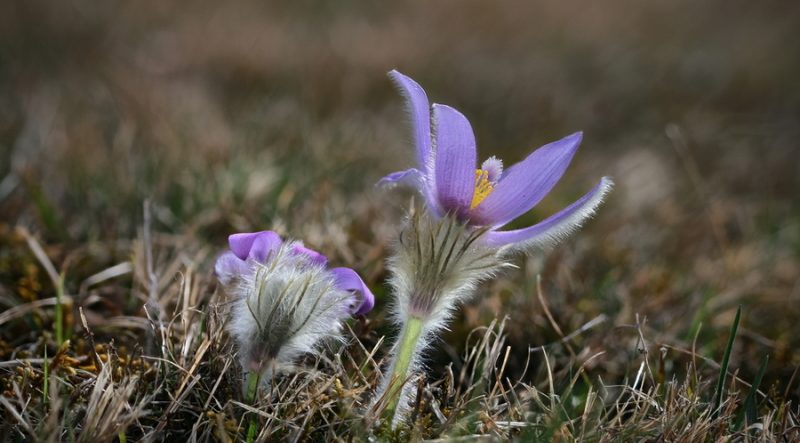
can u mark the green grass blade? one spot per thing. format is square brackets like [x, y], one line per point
[723, 370]
[749, 408]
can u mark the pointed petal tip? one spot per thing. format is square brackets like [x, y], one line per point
[574, 140]
[406, 83]
[555, 228]
[568, 144]
[603, 187]
[418, 109]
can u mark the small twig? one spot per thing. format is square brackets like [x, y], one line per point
[40, 255]
[550, 318]
[22, 361]
[90, 338]
[643, 349]
[586, 326]
[418, 398]
[19, 311]
[16, 414]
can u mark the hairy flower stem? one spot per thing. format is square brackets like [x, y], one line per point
[250, 398]
[402, 361]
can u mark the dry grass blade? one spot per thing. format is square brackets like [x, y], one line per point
[21, 310]
[17, 415]
[109, 411]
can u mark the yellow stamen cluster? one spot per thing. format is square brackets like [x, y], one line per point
[483, 187]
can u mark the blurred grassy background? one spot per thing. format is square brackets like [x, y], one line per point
[233, 116]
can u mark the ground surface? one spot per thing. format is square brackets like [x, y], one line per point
[242, 116]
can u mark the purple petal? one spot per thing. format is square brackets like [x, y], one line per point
[348, 280]
[262, 245]
[456, 158]
[556, 227]
[414, 178]
[419, 111]
[229, 266]
[526, 183]
[242, 243]
[410, 177]
[313, 256]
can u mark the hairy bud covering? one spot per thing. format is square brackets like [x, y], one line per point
[286, 301]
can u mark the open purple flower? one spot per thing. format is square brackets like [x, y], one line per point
[452, 184]
[247, 249]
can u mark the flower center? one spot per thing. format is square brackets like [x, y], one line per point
[483, 187]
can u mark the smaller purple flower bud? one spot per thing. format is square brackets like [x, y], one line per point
[285, 300]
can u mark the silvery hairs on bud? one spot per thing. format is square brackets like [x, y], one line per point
[284, 308]
[437, 263]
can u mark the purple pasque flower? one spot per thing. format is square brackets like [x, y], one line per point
[488, 196]
[260, 248]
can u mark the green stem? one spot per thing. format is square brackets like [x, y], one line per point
[402, 360]
[250, 398]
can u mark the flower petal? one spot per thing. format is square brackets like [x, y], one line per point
[242, 243]
[228, 266]
[414, 178]
[313, 256]
[410, 177]
[348, 280]
[419, 110]
[456, 158]
[526, 183]
[556, 227]
[264, 244]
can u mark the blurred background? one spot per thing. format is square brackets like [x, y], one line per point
[237, 116]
